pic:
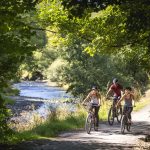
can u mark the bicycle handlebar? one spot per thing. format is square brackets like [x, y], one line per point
[92, 104]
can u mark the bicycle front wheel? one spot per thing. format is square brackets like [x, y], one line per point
[88, 124]
[128, 127]
[110, 116]
[123, 123]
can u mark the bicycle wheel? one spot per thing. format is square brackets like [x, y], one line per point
[123, 123]
[94, 124]
[128, 127]
[119, 114]
[110, 116]
[88, 124]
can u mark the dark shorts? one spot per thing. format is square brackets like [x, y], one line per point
[115, 99]
[128, 110]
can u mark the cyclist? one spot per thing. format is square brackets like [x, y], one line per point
[128, 98]
[95, 100]
[116, 88]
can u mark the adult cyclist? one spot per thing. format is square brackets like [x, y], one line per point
[116, 88]
[94, 99]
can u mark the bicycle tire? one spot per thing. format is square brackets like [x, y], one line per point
[123, 124]
[88, 124]
[110, 116]
[128, 127]
[119, 114]
[94, 124]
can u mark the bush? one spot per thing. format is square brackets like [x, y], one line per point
[5, 131]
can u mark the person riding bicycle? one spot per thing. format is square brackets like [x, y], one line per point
[95, 100]
[128, 98]
[116, 88]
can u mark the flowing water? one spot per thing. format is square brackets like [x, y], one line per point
[41, 90]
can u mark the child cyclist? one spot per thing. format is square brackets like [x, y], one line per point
[128, 98]
[94, 99]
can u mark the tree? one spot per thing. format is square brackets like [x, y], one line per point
[15, 43]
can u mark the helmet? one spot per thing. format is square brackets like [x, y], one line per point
[94, 87]
[115, 80]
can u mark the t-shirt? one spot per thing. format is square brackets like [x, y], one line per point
[116, 88]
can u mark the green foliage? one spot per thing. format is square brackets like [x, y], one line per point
[98, 46]
[5, 132]
[16, 42]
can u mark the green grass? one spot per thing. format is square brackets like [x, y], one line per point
[141, 104]
[9, 101]
[103, 113]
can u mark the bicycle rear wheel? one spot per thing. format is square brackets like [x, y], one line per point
[110, 116]
[123, 123]
[128, 127]
[88, 124]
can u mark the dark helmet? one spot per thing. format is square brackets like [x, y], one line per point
[94, 87]
[115, 80]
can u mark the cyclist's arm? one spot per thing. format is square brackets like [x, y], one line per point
[99, 97]
[121, 99]
[110, 90]
[86, 98]
[133, 99]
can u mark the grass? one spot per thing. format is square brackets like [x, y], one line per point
[141, 104]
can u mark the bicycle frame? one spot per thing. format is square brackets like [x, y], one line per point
[125, 123]
[90, 121]
[113, 112]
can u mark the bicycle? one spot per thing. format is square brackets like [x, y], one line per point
[125, 123]
[114, 113]
[90, 121]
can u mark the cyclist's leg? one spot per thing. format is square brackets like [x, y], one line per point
[114, 104]
[90, 107]
[129, 113]
[114, 101]
[124, 109]
[119, 106]
[96, 115]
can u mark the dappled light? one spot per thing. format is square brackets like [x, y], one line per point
[56, 56]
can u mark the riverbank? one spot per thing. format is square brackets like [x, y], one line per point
[29, 112]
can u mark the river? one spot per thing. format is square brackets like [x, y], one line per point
[41, 90]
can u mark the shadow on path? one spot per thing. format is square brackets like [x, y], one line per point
[65, 145]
